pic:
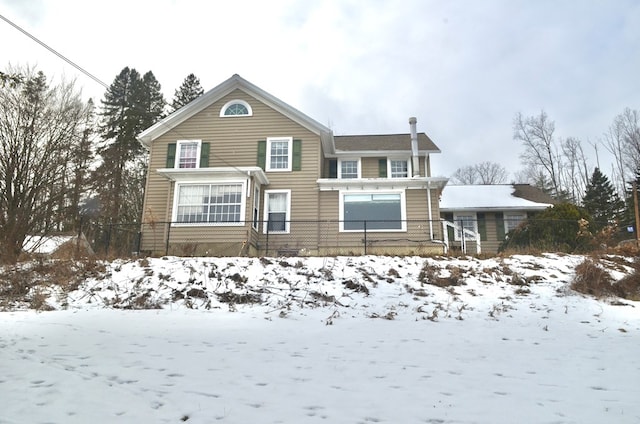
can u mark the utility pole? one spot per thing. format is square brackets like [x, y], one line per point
[635, 206]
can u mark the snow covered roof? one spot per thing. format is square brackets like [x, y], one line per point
[493, 197]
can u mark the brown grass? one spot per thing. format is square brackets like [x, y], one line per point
[592, 279]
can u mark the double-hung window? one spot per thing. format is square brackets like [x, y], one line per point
[277, 211]
[279, 151]
[399, 168]
[381, 211]
[219, 203]
[513, 220]
[188, 154]
[467, 221]
[348, 168]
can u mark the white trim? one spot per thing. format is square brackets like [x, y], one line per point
[174, 209]
[236, 82]
[233, 102]
[421, 183]
[289, 141]
[403, 210]
[400, 158]
[179, 144]
[255, 207]
[358, 164]
[456, 221]
[506, 214]
[213, 174]
[265, 211]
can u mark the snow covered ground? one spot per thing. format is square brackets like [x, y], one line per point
[334, 340]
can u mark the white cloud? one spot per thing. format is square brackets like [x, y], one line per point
[462, 68]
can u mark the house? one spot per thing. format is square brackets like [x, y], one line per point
[239, 172]
[490, 211]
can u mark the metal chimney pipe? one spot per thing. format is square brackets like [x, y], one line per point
[415, 160]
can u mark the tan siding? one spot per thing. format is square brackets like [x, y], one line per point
[234, 142]
[370, 167]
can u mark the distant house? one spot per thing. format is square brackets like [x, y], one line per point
[490, 211]
[239, 172]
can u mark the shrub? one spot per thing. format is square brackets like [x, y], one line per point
[592, 279]
[564, 227]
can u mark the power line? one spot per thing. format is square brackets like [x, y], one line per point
[90, 75]
[52, 50]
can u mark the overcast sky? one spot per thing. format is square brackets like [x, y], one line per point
[463, 68]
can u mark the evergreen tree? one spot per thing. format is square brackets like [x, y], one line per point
[188, 91]
[130, 105]
[629, 216]
[602, 201]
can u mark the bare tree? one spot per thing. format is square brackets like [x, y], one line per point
[465, 175]
[537, 135]
[622, 140]
[38, 124]
[491, 173]
[481, 173]
[574, 170]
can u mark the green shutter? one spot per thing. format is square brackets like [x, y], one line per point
[333, 168]
[382, 168]
[482, 225]
[296, 157]
[449, 217]
[262, 154]
[500, 226]
[204, 155]
[171, 155]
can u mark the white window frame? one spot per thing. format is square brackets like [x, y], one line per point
[265, 216]
[404, 159]
[176, 193]
[403, 210]
[270, 141]
[456, 220]
[233, 102]
[506, 219]
[358, 165]
[179, 145]
[255, 213]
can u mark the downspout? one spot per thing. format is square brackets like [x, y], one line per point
[429, 209]
[415, 160]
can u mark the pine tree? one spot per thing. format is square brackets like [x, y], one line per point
[188, 91]
[130, 105]
[629, 216]
[601, 200]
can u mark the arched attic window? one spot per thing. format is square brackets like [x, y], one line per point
[236, 108]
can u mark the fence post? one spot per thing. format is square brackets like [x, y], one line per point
[166, 246]
[139, 242]
[365, 236]
[107, 244]
[79, 235]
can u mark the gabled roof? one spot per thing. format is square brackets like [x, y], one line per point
[236, 82]
[383, 143]
[494, 197]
